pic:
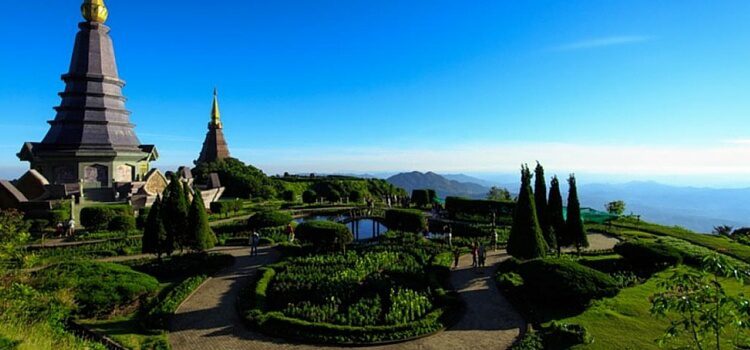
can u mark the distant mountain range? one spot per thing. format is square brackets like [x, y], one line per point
[442, 185]
[698, 209]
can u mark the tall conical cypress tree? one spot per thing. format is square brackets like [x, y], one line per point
[174, 213]
[540, 201]
[155, 239]
[201, 236]
[556, 218]
[526, 240]
[574, 225]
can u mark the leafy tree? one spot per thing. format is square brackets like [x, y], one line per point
[556, 218]
[202, 238]
[706, 313]
[325, 235]
[499, 194]
[309, 196]
[723, 230]
[574, 225]
[356, 196]
[526, 240]
[269, 218]
[174, 212]
[540, 201]
[615, 207]
[156, 239]
[240, 180]
[288, 196]
[13, 235]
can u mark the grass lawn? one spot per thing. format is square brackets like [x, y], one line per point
[126, 331]
[624, 322]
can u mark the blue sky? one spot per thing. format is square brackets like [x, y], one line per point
[616, 89]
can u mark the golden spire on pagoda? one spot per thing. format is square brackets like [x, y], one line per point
[94, 11]
[215, 114]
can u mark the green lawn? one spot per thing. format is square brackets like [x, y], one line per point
[624, 322]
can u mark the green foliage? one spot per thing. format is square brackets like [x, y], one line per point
[421, 198]
[575, 233]
[706, 312]
[99, 288]
[325, 235]
[201, 237]
[158, 315]
[13, 236]
[564, 282]
[309, 197]
[113, 247]
[407, 306]
[356, 196]
[268, 218]
[406, 220]
[289, 196]
[559, 335]
[140, 220]
[526, 240]
[459, 208]
[221, 207]
[555, 211]
[647, 254]
[156, 239]
[174, 210]
[59, 215]
[499, 194]
[615, 207]
[529, 341]
[97, 218]
[122, 223]
[540, 203]
[183, 266]
[240, 180]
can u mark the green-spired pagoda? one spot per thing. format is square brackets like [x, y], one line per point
[91, 141]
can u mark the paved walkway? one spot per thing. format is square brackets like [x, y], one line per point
[208, 320]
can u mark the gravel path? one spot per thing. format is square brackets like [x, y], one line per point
[208, 320]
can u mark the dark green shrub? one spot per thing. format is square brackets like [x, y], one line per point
[58, 215]
[457, 206]
[406, 220]
[99, 288]
[8, 344]
[269, 218]
[526, 240]
[509, 280]
[158, 315]
[140, 220]
[649, 254]
[324, 235]
[185, 265]
[38, 226]
[121, 223]
[421, 198]
[97, 218]
[221, 208]
[266, 241]
[154, 343]
[530, 341]
[356, 196]
[288, 196]
[309, 197]
[564, 336]
[565, 282]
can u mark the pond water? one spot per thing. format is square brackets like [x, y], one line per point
[361, 229]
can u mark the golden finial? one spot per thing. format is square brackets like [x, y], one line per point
[215, 114]
[94, 11]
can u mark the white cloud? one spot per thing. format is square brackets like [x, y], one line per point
[602, 42]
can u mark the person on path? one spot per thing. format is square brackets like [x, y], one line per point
[456, 256]
[60, 229]
[450, 236]
[255, 240]
[71, 228]
[474, 255]
[290, 232]
[482, 255]
[494, 239]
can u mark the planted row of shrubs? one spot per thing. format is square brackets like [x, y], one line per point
[157, 316]
[108, 217]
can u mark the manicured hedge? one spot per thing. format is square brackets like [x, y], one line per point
[649, 254]
[406, 220]
[423, 197]
[99, 288]
[269, 218]
[565, 282]
[325, 235]
[97, 218]
[457, 205]
[122, 223]
[158, 316]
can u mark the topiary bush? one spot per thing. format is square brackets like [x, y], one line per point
[268, 218]
[97, 218]
[649, 255]
[288, 196]
[99, 289]
[564, 336]
[406, 220]
[221, 208]
[324, 235]
[122, 223]
[564, 282]
[309, 197]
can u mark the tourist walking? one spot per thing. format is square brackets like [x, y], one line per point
[494, 239]
[71, 227]
[482, 255]
[474, 255]
[290, 232]
[60, 229]
[450, 237]
[254, 241]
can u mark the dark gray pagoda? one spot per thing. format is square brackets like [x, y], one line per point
[91, 140]
[215, 146]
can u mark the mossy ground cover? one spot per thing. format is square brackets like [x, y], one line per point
[625, 322]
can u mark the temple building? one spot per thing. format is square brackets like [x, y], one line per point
[215, 146]
[91, 149]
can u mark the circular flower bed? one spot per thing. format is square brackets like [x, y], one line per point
[384, 293]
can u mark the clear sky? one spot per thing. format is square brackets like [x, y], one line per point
[620, 89]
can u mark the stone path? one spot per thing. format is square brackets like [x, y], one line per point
[209, 320]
